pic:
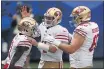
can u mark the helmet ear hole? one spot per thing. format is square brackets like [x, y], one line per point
[31, 29]
[81, 18]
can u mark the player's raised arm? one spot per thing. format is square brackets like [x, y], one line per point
[25, 11]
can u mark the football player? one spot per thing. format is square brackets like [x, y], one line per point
[52, 58]
[50, 26]
[21, 46]
[85, 37]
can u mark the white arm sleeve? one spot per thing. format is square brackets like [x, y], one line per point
[43, 46]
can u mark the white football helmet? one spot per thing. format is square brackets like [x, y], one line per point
[28, 26]
[81, 14]
[52, 17]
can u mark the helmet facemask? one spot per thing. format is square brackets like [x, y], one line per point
[48, 20]
[73, 20]
[35, 31]
[51, 21]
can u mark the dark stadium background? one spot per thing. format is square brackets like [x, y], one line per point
[8, 9]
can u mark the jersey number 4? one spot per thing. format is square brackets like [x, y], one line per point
[95, 39]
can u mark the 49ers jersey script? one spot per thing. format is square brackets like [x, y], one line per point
[19, 40]
[58, 32]
[83, 57]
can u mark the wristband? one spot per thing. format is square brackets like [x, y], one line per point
[43, 46]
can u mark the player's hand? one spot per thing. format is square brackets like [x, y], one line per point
[51, 40]
[33, 41]
[24, 12]
[3, 62]
[52, 49]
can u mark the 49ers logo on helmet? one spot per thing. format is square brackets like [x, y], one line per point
[79, 10]
[57, 13]
[26, 24]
